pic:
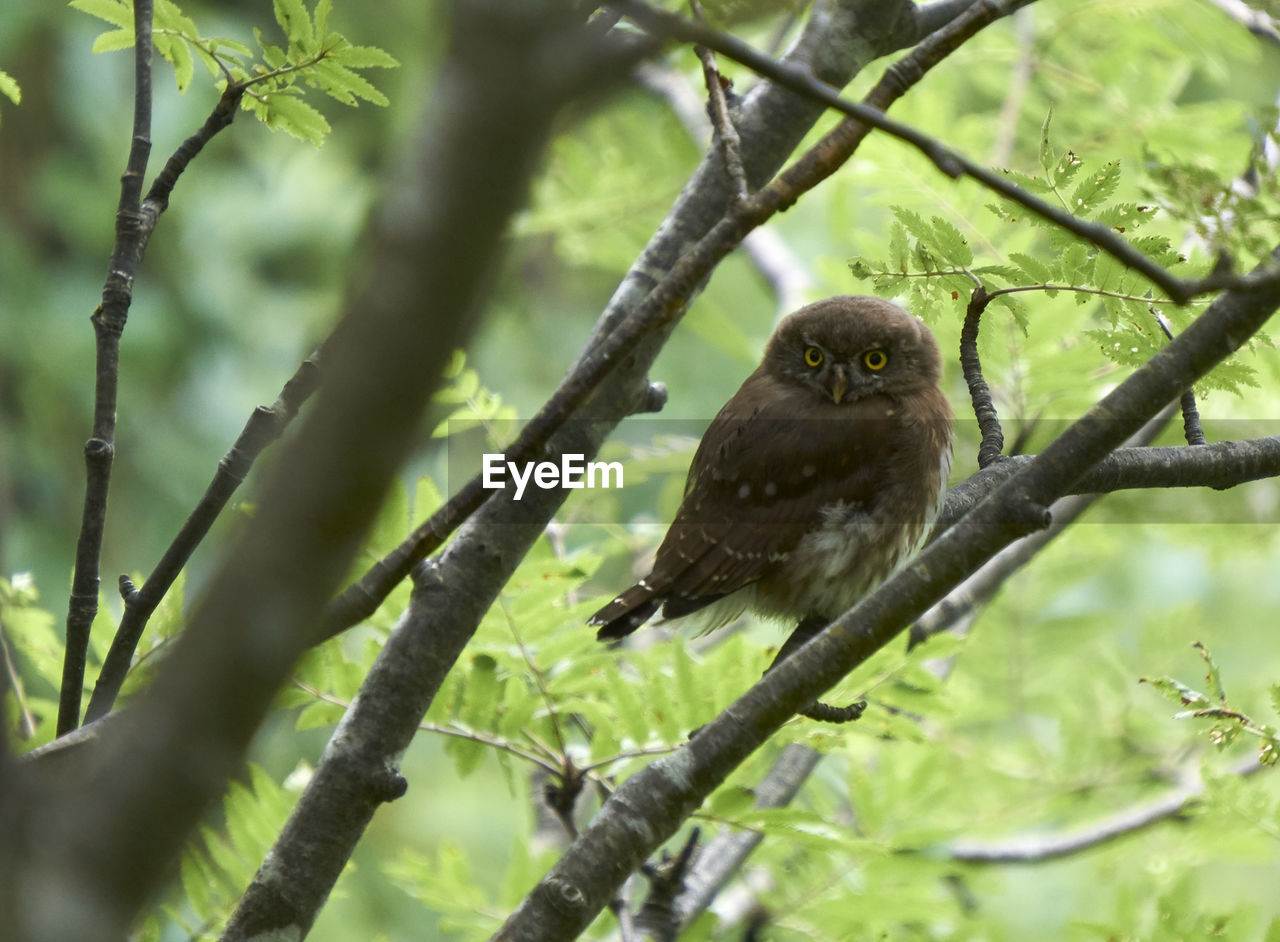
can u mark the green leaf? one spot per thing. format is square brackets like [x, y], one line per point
[1034, 268]
[294, 20]
[196, 886]
[168, 16]
[1177, 692]
[366, 57]
[1066, 169]
[915, 225]
[294, 116]
[899, 249]
[951, 244]
[1095, 190]
[1027, 182]
[113, 40]
[1124, 216]
[343, 84]
[174, 50]
[1046, 151]
[116, 12]
[1075, 264]
[9, 88]
[1214, 676]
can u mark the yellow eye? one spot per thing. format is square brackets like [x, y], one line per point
[812, 356]
[875, 360]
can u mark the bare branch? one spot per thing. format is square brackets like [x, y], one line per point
[726, 135]
[1191, 429]
[265, 425]
[1039, 847]
[773, 258]
[983, 408]
[108, 324]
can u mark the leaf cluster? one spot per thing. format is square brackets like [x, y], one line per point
[1228, 723]
[275, 77]
[932, 263]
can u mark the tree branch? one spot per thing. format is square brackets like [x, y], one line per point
[108, 324]
[107, 847]
[650, 805]
[948, 161]
[1040, 847]
[1219, 465]
[265, 425]
[771, 122]
[467, 576]
[980, 394]
[724, 855]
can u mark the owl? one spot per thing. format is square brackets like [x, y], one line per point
[819, 477]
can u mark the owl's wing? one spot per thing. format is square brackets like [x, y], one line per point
[758, 483]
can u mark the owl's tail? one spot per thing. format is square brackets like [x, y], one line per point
[626, 613]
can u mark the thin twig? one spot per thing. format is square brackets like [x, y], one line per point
[948, 161]
[108, 324]
[984, 409]
[772, 257]
[264, 426]
[1039, 847]
[539, 678]
[221, 117]
[1191, 429]
[13, 682]
[726, 135]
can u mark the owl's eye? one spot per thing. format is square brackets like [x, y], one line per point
[875, 360]
[812, 356]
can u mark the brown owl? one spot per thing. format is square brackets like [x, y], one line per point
[815, 481]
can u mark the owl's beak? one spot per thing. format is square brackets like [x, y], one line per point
[839, 384]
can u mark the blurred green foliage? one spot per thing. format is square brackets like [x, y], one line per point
[1040, 726]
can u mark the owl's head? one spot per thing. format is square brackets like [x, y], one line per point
[852, 346]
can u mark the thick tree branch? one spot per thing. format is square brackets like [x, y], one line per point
[108, 324]
[1219, 465]
[103, 850]
[650, 805]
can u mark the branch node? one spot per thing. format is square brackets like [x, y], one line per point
[128, 591]
[96, 449]
[387, 784]
[660, 917]
[654, 399]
